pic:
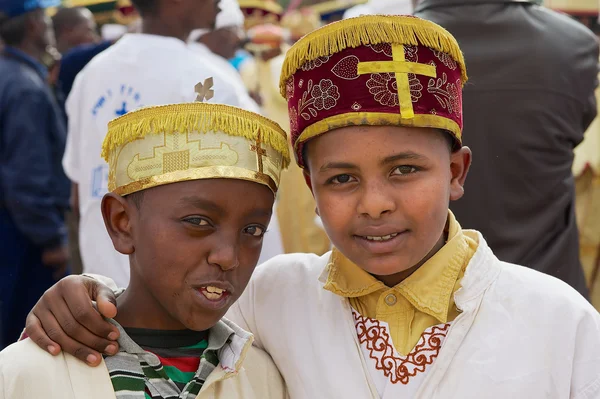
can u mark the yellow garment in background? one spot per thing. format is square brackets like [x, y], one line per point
[296, 215]
[422, 300]
[295, 203]
[586, 169]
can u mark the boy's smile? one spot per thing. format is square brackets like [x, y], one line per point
[380, 243]
[193, 246]
[383, 193]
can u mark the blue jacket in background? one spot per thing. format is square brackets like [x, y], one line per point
[33, 187]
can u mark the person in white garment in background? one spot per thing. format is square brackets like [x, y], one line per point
[217, 47]
[386, 7]
[141, 69]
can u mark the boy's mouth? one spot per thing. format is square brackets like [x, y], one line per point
[213, 293]
[381, 244]
[380, 238]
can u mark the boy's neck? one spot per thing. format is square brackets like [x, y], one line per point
[154, 25]
[394, 279]
[137, 308]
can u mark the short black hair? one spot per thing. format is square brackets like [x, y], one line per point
[453, 144]
[145, 7]
[13, 30]
[137, 198]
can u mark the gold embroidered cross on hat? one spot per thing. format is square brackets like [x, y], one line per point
[401, 68]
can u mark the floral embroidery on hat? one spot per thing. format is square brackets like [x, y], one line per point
[445, 59]
[289, 87]
[310, 65]
[449, 98]
[323, 96]
[385, 48]
[410, 53]
[415, 87]
[293, 120]
[346, 68]
[384, 88]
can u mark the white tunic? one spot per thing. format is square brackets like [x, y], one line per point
[521, 334]
[138, 70]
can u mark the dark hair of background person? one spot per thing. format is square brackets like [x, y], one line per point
[13, 30]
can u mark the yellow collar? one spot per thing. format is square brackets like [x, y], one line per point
[429, 289]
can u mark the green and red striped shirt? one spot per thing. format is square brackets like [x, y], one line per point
[159, 364]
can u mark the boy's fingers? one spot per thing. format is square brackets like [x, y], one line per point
[77, 332]
[35, 332]
[77, 303]
[55, 332]
[106, 302]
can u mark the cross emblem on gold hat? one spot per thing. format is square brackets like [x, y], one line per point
[260, 153]
[204, 90]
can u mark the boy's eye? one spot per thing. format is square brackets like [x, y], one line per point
[404, 170]
[341, 179]
[198, 221]
[255, 231]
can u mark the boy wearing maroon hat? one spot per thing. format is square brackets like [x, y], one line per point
[407, 304]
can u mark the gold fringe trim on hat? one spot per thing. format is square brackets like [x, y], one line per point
[365, 30]
[195, 117]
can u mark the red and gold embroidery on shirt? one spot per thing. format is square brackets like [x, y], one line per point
[399, 369]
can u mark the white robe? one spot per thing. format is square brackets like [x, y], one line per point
[521, 334]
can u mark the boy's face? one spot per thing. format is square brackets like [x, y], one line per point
[383, 192]
[193, 247]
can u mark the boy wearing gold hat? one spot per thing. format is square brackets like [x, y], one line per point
[177, 174]
[407, 304]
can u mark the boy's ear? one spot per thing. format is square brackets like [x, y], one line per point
[460, 162]
[117, 213]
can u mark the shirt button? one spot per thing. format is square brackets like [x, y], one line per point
[391, 299]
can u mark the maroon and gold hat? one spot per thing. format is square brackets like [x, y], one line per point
[260, 12]
[373, 70]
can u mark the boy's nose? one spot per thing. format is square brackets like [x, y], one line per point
[225, 255]
[375, 201]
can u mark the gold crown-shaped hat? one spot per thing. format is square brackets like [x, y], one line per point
[166, 144]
